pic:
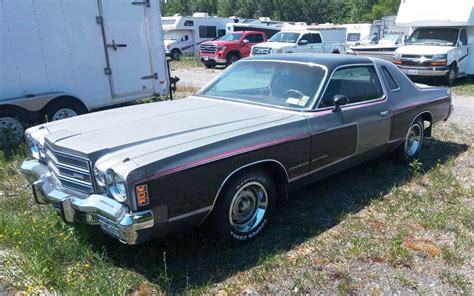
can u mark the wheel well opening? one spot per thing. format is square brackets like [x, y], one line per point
[63, 99]
[237, 53]
[427, 123]
[279, 176]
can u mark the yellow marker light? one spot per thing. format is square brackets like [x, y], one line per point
[142, 195]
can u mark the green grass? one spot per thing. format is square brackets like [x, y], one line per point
[376, 212]
[465, 86]
[187, 62]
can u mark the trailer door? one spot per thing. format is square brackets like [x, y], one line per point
[127, 47]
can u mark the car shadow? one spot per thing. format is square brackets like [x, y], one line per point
[192, 258]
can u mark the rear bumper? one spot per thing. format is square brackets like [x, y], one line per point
[114, 218]
[424, 71]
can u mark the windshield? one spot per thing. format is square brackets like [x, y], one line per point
[231, 37]
[285, 37]
[278, 84]
[434, 36]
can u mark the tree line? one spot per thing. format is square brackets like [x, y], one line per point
[309, 11]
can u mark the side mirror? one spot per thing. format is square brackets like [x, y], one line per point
[245, 42]
[338, 101]
[303, 42]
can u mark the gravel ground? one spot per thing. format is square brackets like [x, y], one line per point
[195, 77]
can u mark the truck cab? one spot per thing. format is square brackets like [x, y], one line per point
[229, 48]
[435, 52]
[303, 41]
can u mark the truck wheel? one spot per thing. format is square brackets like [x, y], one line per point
[410, 148]
[452, 75]
[11, 129]
[232, 58]
[176, 54]
[209, 66]
[244, 207]
[61, 110]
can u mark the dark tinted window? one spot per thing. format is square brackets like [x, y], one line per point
[358, 83]
[254, 38]
[207, 31]
[463, 37]
[392, 84]
[188, 23]
[315, 38]
[351, 37]
[305, 37]
[220, 32]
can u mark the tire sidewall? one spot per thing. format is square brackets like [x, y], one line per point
[225, 229]
[175, 54]
[53, 109]
[230, 59]
[408, 158]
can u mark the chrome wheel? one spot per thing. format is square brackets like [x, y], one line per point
[413, 140]
[63, 113]
[11, 130]
[248, 207]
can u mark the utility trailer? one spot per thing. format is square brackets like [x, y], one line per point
[64, 58]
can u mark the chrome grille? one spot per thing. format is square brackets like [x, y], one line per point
[208, 48]
[73, 172]
[261, 50]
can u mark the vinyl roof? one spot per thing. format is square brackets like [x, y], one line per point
[328, 60]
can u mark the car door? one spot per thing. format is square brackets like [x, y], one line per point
[253, 39]
[303, 45]
[316, 43]
[462, 51]
[360, 126]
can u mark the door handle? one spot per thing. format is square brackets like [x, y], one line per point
[383, 113]
[116, 45]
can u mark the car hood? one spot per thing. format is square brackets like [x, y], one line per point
[142, 129]
[276, 45]
[424, 49]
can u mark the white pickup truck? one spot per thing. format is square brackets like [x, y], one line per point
[311, 39]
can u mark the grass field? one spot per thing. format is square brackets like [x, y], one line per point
[379, 225]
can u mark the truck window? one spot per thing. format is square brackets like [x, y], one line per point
[392, 84]
[305, 37]
[463, 37]
[315, 38]
[254, 38]
[357, 83]
[207, 31]
[188, 23]
[434, 36]
[220, 32]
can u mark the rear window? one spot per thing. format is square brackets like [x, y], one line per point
[392, 84]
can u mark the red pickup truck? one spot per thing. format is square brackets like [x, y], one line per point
[229, 48]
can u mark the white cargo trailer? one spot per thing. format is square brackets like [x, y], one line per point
[64, 58]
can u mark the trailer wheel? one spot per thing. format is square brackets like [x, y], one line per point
[11, 129]
[176, 54]
[64, 109]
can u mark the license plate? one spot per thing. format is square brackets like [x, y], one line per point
[206, 58]
[108, 227]
[412, 72]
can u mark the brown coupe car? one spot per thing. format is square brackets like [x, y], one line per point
[263, 127]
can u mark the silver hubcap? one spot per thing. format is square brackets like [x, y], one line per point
[63, 113]
[248, 207]
[10, 130]
[413, 141]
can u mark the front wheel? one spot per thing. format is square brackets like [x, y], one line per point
[244, 207]
[232, 58]
[452, 75]
[410, 148]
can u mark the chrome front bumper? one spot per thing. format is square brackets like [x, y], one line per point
[113, 217]
[425, 71]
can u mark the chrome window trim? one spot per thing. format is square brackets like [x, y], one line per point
[314, 98]
[386, 80]
[383, 97]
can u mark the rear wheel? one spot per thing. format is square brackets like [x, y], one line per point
[61, 110]
[244, 206]
[11, 129]
[411, 147]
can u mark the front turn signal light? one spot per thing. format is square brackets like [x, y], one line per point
[397, 62]
[142, 195]
[439, 63]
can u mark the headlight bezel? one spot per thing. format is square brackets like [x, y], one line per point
[440, 57]
[397, 56]
[35, 150]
